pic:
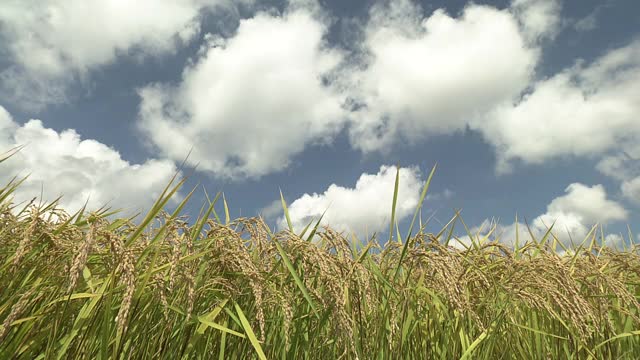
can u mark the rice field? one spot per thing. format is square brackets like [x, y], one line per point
[90, 285]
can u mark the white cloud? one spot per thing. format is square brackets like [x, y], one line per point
[590, 21]
[53, 43]
[251, 102]
[572, 216]
[621, 166]
[615, 241]
[589, 203]
[272, 211]
[61, 163]
[363, 209]
[625, 167]
[429, 76]
[540, 19]
[440, 74]
[587, 23]
[631, 189]
[577, 211]
[444, 195]
[246, 89]
[6, 125]
[581, 111]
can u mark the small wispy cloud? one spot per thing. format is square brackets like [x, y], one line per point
[590, 21]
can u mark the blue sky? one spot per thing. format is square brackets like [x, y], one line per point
[527, 106]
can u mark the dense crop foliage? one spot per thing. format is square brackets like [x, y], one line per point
[90, 286]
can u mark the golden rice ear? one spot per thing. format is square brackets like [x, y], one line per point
[231, 288]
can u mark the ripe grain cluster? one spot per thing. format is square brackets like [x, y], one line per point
[90, 285]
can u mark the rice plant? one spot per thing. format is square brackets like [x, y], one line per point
[90, 285]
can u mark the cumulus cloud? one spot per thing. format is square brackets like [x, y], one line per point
[61, 163]
[420, 76]
[362, 209]
[589, 203]
[53, 43]
[577, 211]
[631, 189]
[433, 75]
[581, 111]
[251, 102]
[442, 74]
[572, 216]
